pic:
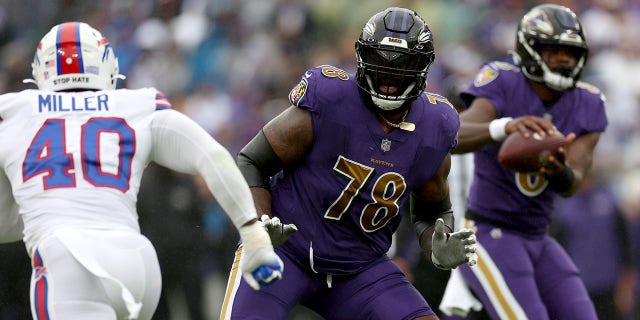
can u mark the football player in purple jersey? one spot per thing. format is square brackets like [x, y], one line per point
[339, 164]
[523, 273]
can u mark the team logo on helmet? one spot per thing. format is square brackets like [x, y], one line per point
[74, 55]
[369, 28]
[424, 36]
[538, 21]
[298, 92]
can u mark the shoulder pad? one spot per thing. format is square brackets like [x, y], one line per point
[589, 87]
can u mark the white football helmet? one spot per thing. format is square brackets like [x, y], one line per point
[73, 55]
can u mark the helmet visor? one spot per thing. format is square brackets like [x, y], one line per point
[395, 59]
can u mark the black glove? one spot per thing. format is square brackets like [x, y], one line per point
[278, 232]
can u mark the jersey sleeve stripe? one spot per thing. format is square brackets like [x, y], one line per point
[162, 102]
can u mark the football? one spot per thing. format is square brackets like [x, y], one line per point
[525, 155]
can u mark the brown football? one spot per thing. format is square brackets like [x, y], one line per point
[524, 154]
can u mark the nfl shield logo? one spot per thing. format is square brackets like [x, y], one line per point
[385, 145]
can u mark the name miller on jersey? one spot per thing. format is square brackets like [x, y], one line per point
[66, 103]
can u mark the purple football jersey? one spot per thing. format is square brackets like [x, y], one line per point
[346, 194]
[521, 200]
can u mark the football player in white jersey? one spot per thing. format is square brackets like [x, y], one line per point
[73, 153]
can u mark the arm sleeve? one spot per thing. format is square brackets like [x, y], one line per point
[258, 162]
[424, 215]
[10, 222]
[180, 144]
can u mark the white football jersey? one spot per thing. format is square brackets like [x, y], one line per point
[75, 159]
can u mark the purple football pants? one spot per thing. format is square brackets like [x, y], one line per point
[379, 292]
[520, 277]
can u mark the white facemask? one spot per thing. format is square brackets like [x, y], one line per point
[389, 104]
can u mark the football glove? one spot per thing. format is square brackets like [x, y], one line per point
[259, 264]
[278, 232]
[449, 250]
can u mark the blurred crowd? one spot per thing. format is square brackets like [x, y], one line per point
[229, 64]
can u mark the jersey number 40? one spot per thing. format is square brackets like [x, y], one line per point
[48, 154]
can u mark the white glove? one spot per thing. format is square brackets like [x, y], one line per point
[449, 250]
[278, 232]
[259, 264]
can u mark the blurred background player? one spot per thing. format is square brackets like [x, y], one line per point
[339, 164]
[522, 272]
[74, 154]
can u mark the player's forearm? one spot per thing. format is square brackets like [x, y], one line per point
[567, 183]
[424, 233]
[424, 215]
[262, 200]
[472, 136]
[182, 145]
[580, 160]
[258, 163]
[228, 186]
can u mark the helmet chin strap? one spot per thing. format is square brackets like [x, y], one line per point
[555, 80]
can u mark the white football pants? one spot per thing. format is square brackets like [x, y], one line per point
[95, 274]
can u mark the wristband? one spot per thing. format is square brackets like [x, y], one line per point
[498, 128]
[563, 181]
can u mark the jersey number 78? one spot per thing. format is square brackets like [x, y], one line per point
[385, 192]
